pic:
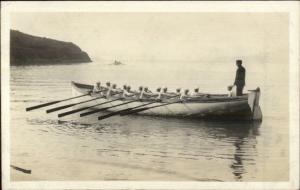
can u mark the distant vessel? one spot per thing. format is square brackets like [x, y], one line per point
[117, 63]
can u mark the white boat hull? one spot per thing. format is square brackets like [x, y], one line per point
[246, 108]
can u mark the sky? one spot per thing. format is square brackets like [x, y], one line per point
[214, 37]
[177, 47]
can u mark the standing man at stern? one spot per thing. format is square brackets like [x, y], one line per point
[240, 78]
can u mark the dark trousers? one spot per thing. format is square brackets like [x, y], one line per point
[239, 90]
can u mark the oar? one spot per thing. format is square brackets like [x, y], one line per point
[147, 108]
[102, 109]
[21, 169]
[54, 102]
[81, 109]
[127, 111]
[124, 112]
[70, 105]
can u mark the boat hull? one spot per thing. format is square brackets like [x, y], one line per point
[229, 109]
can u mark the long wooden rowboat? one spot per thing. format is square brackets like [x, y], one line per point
[216, 107]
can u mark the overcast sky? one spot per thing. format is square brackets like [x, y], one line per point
[164, 36]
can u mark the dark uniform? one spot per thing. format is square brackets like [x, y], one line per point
[240, 80]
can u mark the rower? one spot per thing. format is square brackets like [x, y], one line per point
[178, 92]
[115, 90]
[164, 94]
[97, 87]
[139, 92]
[231, 91]
[147, 93]
[167, 94]
[109, 88]
[184, 95]
[129, 89]
[129, 92]
[196, 93]
[126, 91]
[158, 90]
[147, 90]
[175, 94]
[124, 87]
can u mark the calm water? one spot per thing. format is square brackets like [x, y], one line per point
[143, 148]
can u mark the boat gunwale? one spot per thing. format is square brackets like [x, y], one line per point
[224, 99]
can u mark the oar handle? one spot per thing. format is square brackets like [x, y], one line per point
[42, 105]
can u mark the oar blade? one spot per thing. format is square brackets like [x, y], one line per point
[59, 108]
[41, 105]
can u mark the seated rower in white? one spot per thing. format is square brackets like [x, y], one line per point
[176, 94]
[146, 93]
[124, 91]
[108, 91]
[128, 92]
[185, 95]
[115, 91]
[159, 93]
[97, 87]
[140, 91]
[164, 94]
[197, 94]
[231, 91]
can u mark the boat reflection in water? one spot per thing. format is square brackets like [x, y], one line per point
[207, 150]
[245, 140]
[240, 135]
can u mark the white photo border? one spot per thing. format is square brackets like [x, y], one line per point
[291, 7]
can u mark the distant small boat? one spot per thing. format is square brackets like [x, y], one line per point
[117, 63]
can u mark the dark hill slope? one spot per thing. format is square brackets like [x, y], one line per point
[27, 49]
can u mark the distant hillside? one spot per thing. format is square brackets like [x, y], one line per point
[27, 49]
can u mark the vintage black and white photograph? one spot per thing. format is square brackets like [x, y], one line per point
[178, 96]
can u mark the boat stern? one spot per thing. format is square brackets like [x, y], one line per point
[253, 101]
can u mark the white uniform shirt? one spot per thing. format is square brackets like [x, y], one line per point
[232, 92]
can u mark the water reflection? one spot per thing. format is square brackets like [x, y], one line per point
[242, 136]
[161, 140]
[244, 144]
